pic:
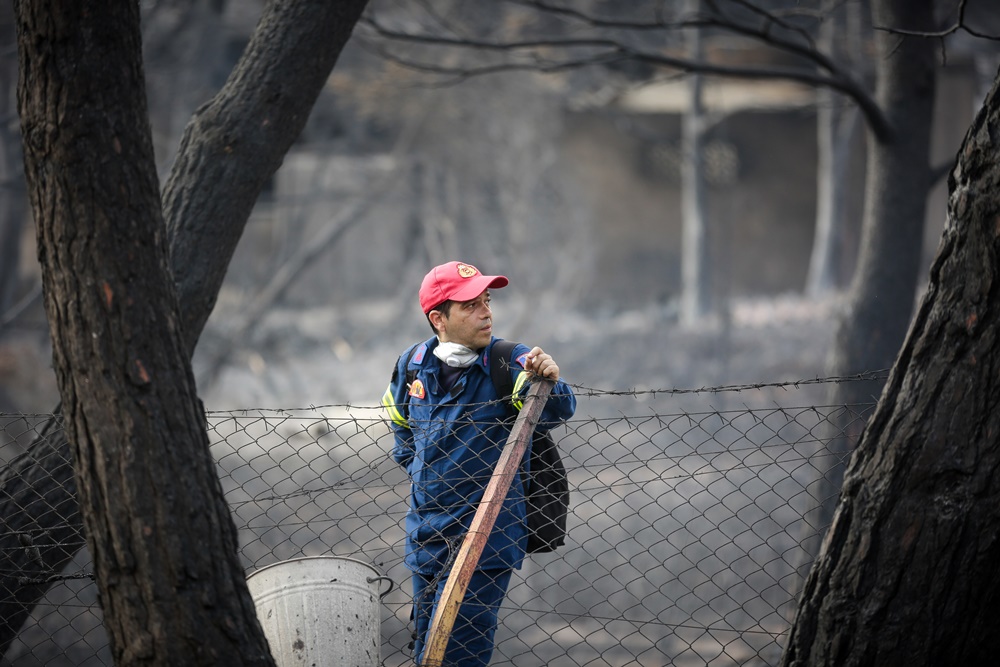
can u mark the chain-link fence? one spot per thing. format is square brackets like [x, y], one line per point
[689, 527]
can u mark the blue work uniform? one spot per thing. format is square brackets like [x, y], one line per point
[449, 440]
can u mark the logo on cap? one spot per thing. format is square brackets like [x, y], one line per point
[467, 270]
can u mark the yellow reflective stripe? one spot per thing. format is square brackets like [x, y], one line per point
[522, 379]
[390, 404]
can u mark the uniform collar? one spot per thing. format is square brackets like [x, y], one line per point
[483, 360]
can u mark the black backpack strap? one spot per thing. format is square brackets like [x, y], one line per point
[500, 368]
[411, 375]
[546, 488]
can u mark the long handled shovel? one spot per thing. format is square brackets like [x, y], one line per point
[482, 522]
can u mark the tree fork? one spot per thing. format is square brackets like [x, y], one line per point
[37, 490]
[146, 480]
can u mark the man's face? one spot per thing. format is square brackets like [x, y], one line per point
[469, 323]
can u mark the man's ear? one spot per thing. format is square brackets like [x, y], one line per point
[437, 319]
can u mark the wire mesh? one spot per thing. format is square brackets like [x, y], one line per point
[692, 520]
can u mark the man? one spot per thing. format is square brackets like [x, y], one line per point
[450, 429]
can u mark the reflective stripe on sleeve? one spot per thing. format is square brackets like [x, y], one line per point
[394, 413]
[522, 379]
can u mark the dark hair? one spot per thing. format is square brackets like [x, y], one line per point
[444, 308]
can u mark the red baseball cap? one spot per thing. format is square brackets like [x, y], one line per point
[455, 281]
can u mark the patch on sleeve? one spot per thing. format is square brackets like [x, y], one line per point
[417, 389]
[418, 356]
[522, 360]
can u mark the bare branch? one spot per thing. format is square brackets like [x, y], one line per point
[769, 19]
[468, 43]
[959, 25]
[597, 22]
[458, 75]
[438, 18]
[616, 51]
[718, 19]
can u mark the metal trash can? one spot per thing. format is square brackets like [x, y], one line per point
[321, 611]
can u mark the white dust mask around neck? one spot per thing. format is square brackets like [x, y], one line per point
[455, 355]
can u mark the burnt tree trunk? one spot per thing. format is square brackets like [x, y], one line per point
[161, 535]
[880, 302]
[883, 290]
[898, 178]
[233, 145]
[907, 574]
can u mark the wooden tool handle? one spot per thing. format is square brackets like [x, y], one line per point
[482, 523]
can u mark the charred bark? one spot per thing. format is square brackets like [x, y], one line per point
[147, 483]
[907, 573]
[233, 145]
